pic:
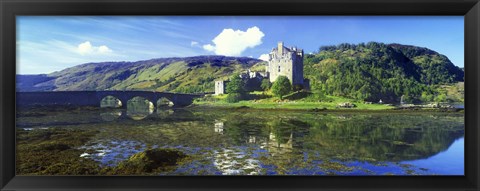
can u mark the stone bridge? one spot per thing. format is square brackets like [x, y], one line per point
[93, 98]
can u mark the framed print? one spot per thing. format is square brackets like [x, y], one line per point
[237, 95]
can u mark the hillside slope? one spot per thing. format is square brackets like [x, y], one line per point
[188, 75]
[375, 71]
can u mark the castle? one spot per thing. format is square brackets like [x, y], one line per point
[282, 61]
[287, 62]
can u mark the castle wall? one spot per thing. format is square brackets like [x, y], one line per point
[284, 62]
[297, 70]
[280, 67]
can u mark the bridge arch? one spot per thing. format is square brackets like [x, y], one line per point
[140, 101]
[164, 102]
[139, 107]
[110, 101]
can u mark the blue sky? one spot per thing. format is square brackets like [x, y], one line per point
[51, 43]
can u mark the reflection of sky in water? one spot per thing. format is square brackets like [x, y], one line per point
[232, 161]
[31, 129]
[110, 153]
[240, 160]
[246, 160]
[446, 162]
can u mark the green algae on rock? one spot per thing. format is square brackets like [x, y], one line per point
[150, 161]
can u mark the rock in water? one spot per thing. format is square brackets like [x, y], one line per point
[150, 160]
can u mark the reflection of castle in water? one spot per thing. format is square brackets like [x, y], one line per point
[281, 139]
[286, 136]
[219, 125]
[283, 136]
[356, 137]
[276, 147]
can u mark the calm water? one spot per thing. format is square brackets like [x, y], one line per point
[254, 142]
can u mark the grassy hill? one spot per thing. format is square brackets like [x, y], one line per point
[188, 75]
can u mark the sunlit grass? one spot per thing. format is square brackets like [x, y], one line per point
[272, 102]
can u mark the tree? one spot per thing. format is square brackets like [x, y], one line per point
[235, 89]
[426, 97]
[265, 84]
[281, 86]
[441, 98]
[236, 85]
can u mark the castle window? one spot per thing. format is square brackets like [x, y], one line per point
[278, 68]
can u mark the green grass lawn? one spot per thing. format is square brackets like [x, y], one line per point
[264, 100]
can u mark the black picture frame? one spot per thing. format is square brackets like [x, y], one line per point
[470, 9]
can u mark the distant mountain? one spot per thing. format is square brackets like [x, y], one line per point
[375, 71]
[40, 82]
[188, 75]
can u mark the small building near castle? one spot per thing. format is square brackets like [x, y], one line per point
[220, 87]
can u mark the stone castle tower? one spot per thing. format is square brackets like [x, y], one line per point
[282, 61]
[287, 62]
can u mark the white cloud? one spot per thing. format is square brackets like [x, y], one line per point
[209, 47]
[194, 43]
[264, 57]
[104, 49]
[233, 42]
[86, 48]
[53, 55]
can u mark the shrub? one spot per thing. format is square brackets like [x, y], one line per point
[234, 97]
[297, 87]
[266, 84]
